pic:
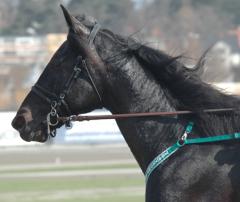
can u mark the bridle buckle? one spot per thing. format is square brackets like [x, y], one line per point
[52, 119]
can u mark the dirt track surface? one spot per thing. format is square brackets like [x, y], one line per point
[70, 173]
[64, 154]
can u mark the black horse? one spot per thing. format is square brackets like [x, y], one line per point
[96, 68]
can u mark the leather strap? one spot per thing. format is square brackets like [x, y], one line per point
[93, 34]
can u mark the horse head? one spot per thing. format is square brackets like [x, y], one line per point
[71, 83]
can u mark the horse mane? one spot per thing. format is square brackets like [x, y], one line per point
[184, 83]
[189, 91]
[183, 86]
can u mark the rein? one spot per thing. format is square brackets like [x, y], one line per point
[136, 115]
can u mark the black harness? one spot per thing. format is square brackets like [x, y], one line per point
[58, 102]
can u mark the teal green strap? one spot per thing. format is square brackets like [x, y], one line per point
[171, 150]
[166, 154]
[213, 139]
[160, 158]
[189, 128]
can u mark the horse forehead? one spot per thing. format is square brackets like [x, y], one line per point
[61, 54]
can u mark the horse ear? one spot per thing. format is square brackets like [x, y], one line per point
[74, 24]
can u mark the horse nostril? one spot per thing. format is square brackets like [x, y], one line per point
[19, 122]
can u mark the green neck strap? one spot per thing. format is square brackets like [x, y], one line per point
[182, 142]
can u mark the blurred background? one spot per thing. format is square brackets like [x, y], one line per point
[91, 162]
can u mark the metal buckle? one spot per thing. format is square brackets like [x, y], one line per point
[62, 96]
[184, 136]
[182, 140]
[52, 119]
[68, 123]
[188, 130]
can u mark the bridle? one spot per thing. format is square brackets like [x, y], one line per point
[58, 102]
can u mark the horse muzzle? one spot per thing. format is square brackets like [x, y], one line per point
[23, 123]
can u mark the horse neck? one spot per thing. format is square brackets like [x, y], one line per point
[132, 89]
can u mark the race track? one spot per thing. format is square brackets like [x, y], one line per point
[63, 154]
[70, 173]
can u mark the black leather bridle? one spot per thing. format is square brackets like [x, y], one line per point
[58, 102]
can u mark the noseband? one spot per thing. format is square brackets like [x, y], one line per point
[58, 102]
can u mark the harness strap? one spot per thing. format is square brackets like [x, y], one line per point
[93, 34]
[75, 74]
[160, 159]
[51, 97]
[180, 143]
[213, 139]
[91, 79]
[41, 92]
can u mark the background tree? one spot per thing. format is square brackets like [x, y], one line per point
[230, 8]
[113, 14]
[41, 17]
[36, 17]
